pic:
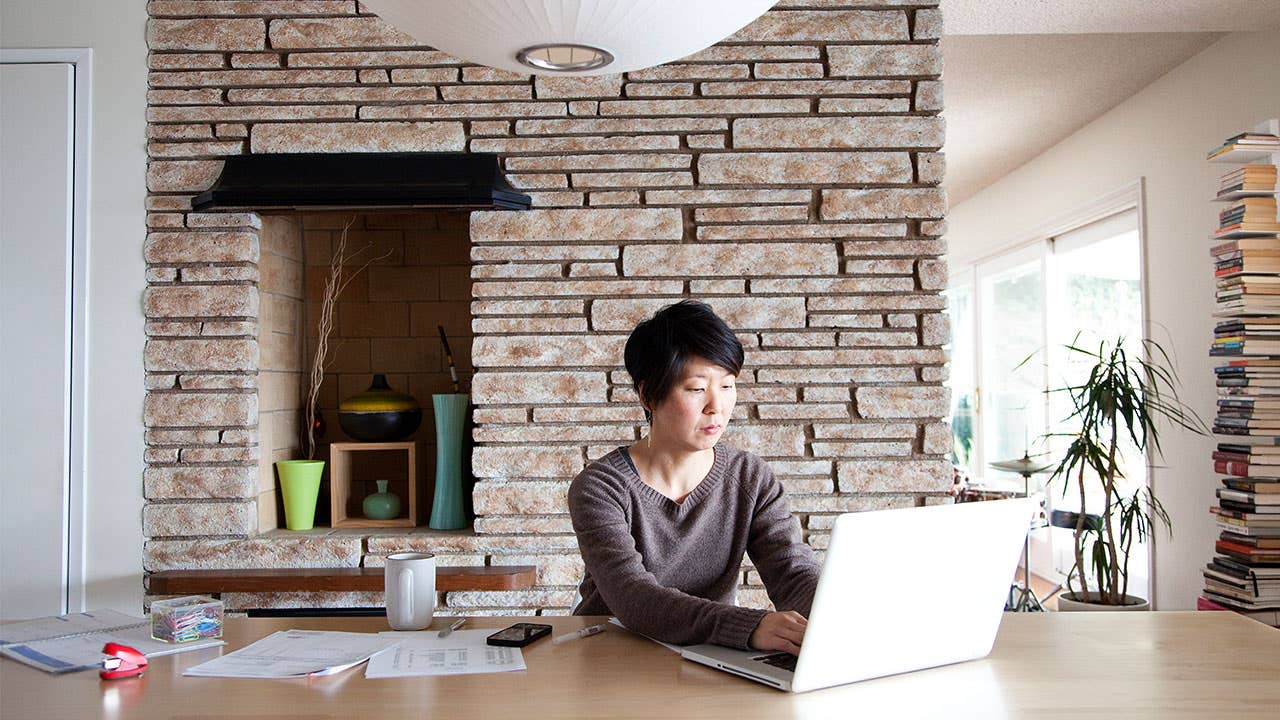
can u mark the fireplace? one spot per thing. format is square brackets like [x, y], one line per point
[788, 176]
[409, 272]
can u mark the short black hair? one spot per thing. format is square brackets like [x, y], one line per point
[659, 347]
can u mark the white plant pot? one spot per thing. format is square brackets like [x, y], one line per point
[1082, 602]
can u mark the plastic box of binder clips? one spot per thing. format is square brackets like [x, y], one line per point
[184, 619]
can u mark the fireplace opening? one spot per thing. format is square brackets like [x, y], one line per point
[408, 272]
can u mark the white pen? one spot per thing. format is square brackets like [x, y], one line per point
[584, 632]
[447, 631]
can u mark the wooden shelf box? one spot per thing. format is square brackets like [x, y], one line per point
[352, 478]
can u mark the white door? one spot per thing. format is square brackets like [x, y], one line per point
[37, 125]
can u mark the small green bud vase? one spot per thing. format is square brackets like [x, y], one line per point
[382, 505]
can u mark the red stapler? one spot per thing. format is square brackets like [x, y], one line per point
[123, 662]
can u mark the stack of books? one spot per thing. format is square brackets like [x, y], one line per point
[1249, 215]
[1247, 301]
[1248, 379]
[1244, 574]
[1265, 142]
[1269, 617]
[1240, 415]
[1247, 272]
[1252, 180]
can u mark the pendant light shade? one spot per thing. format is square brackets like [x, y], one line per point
[569, 37]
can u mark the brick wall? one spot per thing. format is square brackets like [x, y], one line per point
[789, 176]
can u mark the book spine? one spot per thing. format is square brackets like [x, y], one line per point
[1229, 467]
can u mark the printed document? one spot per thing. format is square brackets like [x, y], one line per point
[295, 653]
[464, 652]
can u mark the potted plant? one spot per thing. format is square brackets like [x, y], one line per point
[1125, 399]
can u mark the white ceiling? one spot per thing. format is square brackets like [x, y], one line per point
[1022, 75]
[1039, 17]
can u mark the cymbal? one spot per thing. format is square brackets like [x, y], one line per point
[1024, 465]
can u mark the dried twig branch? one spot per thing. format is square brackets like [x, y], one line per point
[337, 282]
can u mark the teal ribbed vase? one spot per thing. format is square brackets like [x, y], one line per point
[447, 510]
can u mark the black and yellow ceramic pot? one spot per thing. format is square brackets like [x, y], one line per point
[379, 414]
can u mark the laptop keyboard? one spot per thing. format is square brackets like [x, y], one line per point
[783, 660]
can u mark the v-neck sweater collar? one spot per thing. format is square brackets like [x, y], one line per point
[621, 460]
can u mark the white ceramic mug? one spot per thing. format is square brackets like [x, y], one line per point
[410, 584]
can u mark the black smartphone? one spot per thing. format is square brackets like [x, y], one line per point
[518, 635]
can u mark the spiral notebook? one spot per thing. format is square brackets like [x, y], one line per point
[65, 643]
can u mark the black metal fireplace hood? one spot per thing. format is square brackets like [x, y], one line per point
[313, 180]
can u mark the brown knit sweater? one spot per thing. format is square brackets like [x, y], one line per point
[670, 570]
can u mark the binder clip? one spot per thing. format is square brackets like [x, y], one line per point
[122, 662]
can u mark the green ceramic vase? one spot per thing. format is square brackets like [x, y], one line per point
[447, 510]
[299, 488]
[381, 505]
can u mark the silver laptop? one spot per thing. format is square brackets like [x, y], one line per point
[900, 590]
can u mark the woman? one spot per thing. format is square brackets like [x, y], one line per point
[663, 524]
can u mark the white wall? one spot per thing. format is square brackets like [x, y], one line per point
[1162, 133]
[115, 30]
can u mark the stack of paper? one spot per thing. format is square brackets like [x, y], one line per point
[296, 653]
[425, 653]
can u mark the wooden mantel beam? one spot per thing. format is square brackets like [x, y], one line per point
[204, 582]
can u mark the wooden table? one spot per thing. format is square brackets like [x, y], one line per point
[1051, 665]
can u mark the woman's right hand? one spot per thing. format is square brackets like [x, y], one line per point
[780, 631]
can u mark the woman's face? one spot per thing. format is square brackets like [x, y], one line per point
[694, 415]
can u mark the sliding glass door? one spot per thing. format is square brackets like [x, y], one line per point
[1095, 287]
[1012, 314]
[1011, 376]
